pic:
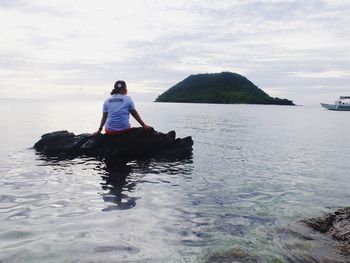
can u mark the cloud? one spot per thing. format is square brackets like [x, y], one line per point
[325, 74]
[286, 47]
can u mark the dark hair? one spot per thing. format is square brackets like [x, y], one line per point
[118, 86]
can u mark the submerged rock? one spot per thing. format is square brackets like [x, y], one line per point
[232, 255]
[136, 143]
[335, 225]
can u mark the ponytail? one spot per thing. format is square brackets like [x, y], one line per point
[118, 86]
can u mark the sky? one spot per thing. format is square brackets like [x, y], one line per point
[294, 49]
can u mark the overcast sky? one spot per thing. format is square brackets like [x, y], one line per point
[295, 49]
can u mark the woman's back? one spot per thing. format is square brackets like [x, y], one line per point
[118, 107]
[116, 110]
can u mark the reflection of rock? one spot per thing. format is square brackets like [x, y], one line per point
[134, 144]
[335, 225]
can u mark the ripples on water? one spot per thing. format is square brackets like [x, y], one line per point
[256, 171]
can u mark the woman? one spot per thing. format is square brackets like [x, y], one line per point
[116, 111]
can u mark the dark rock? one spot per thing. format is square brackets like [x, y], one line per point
[335, 225]
[136, 143]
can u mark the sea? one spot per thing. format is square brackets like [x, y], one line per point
[256, 172]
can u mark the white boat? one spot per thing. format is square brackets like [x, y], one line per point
[343, 104]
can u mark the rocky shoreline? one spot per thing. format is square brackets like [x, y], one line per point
[335, 225]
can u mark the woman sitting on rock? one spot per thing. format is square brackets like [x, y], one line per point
[116, 111]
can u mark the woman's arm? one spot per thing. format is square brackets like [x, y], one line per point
[103, 121]
[137, 117]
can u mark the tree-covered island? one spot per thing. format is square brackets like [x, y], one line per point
[225, 87]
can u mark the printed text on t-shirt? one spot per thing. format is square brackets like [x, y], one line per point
[116, 100]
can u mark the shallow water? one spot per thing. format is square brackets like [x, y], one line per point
[256, 171]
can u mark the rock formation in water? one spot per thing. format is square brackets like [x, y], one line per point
[335, 225]
[136, 143]
[225, 87]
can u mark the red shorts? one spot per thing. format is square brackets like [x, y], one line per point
[108, 132]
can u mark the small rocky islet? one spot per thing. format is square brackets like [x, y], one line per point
[221, 88]
[135, 144]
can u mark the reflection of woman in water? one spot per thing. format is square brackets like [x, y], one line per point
[116, 111]
[118, 187]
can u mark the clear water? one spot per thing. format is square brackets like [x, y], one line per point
[256, 171]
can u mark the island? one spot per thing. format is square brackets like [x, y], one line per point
[224, 87]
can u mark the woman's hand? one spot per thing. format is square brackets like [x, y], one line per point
[146, 127]
[137, 117]
[98, 131]
[103, 121]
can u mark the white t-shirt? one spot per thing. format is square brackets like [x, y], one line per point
[118, 107]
